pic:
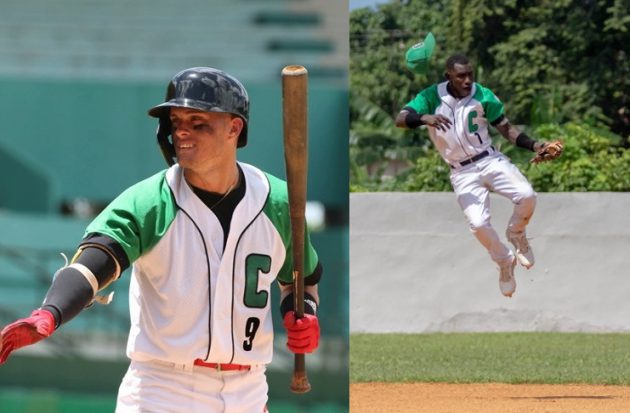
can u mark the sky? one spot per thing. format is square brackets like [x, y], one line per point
[356, 4]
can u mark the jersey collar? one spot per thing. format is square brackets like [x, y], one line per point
[256, 191]
[451, 100]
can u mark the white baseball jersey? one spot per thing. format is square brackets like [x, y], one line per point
[190, 297]
[469, 116]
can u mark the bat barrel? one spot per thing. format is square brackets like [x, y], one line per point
[294, 111]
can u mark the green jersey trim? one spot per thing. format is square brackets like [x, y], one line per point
[492, 106]
[277, 210]
[139, 217]
[427, 101]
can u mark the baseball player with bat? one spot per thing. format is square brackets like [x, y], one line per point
[457, 113]
[206, 238]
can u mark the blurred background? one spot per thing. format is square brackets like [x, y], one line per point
[76, 80]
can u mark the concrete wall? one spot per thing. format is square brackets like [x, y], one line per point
[415, 266]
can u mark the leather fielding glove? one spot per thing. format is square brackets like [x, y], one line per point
[549, 152]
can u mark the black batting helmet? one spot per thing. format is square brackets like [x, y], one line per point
[202, 88]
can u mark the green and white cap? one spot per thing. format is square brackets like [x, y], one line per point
[418, 55]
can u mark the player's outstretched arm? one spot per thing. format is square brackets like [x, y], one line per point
[545, 151]
[73, 288]
[303, 333]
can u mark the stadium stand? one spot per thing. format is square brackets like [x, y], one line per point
[149, 40]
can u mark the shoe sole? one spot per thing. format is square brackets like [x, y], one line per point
[524, 261]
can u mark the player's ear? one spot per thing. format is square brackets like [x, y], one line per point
[236, 126]
[446, 76]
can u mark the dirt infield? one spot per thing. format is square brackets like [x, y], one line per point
[487, 398]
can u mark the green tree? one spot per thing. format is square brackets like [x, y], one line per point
[591, 161]
[374, 144]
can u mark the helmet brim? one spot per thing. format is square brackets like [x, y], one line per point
[163, 110]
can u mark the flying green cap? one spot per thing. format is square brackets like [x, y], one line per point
[418, 55]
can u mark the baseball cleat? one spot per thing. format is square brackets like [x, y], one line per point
[524, 252]
[507, 283]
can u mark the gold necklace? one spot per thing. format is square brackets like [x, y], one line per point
[226, 193]
[222, 198]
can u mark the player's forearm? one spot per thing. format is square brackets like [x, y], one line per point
[507, 130]
[517, 137]
[75, 286]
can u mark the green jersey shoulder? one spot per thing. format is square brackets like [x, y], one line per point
[427, 101]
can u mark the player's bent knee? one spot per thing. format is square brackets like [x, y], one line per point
[479, 225]
[526, 196]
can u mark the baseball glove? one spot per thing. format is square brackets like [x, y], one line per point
[549, 152]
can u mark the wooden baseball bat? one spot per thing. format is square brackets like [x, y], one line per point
[294, 116]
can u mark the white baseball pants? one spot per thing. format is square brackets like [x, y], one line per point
[472, 185]
[160, 387]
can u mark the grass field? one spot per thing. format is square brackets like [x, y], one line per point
[491, 357]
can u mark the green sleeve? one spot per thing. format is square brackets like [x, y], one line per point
[492, 106]
[277, 210]
[425, 102]
[139, 217]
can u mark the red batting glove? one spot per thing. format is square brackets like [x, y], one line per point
[25, 331]
[302, 333]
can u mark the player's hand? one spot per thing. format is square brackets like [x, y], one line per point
[25, 331]
[302, 333]
[440, 122]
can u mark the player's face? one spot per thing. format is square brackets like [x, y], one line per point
[204, 140]
[461, 78]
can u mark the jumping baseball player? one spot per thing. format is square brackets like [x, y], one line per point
[206, 238]
[458, 113]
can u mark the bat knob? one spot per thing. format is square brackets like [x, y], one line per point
[299, 383]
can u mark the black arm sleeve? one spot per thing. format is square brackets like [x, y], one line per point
[524, 141]
[310, 307]
[413, 119]
[110, 245]
[100, 263]
[315, 276]
[70, 291]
